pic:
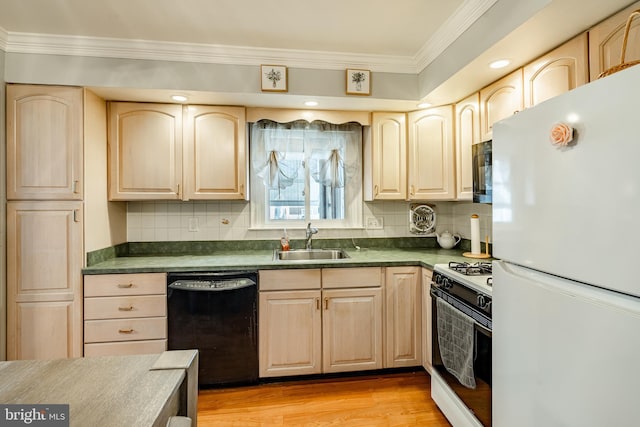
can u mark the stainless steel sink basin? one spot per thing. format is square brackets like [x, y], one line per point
[309, 254]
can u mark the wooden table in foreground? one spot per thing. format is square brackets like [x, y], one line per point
[140, 390]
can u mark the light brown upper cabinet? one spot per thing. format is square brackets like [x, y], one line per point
[145, 151]
[557, 72]
[171, 152]
[44, 143]
[467, 133]
[214, 153]
[431, 161]
[605, 41]
[499, 100]
[389, 156]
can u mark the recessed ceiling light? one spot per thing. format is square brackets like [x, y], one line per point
[424, 105]
[311, 103]
[500, 63]
[179, 98]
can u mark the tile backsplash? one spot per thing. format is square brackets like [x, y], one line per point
[231, 220]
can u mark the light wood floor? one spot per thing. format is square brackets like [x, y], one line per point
[399, 399]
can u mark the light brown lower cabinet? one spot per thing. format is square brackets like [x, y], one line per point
[352, 329]
[44, 283]
[426, 319]
[290, 333]
[125, 314]
[403, 308]
[307, 329]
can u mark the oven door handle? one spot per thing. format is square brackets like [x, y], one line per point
[480, 328]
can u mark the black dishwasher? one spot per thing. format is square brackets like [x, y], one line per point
[216, 313]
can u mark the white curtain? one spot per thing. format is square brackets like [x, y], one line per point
[324, 146]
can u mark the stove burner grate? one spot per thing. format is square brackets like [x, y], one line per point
[471, 269]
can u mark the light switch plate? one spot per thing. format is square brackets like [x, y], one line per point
[373, 223]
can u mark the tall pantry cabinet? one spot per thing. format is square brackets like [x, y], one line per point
[44, 221]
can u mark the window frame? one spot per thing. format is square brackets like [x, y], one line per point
[353, 196]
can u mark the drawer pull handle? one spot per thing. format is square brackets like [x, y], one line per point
[128, 308]
[125, 331]
[125, 285]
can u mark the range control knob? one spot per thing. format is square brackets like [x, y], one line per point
[483, 302]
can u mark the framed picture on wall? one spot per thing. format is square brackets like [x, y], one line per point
[273, 78]
[358, 82]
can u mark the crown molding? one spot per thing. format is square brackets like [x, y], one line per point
[4, 37]
[202, 53]
[103, 47]
[459, 22]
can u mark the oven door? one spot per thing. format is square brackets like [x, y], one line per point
[478, 400]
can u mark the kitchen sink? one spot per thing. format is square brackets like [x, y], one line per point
[309, 254]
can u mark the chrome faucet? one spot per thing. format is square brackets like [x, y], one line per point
[310, 232]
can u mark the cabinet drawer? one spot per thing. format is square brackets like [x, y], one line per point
[149, 328]
[104, 285]
[125, 348]
[280, 280]
[125, 307]
[356, 277]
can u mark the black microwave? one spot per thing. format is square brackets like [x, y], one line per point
[482, 179]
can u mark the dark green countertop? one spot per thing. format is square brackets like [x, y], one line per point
[262, 259]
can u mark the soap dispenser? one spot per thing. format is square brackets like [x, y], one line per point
[284, 241]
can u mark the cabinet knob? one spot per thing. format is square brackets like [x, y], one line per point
[125, 331]
[127, 308]
[125, 285]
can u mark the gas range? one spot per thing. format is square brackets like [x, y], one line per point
[469, 293]
[474, 275]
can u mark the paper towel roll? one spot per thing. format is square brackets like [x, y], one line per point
[475, 234]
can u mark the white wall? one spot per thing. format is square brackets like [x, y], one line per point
[150, 74]
[230, 220]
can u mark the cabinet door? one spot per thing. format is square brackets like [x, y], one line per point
[426, 319]
[215, 154]
[557, 72]
[605, 42]
[467, 134]
[290, 333]
[403, 317]
[499, 100]
[44, 296]
[431, 162]
[389, 156]
[44, 143]
[145, 151]
[352, 329]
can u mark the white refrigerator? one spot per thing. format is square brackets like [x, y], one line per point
[566, 291]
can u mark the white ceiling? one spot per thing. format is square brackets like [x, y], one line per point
[384, 27]
[395, 36]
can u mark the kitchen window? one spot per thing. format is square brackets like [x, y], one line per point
[306, 172]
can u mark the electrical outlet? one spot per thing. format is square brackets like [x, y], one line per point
[373, 223]
[193, 224]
